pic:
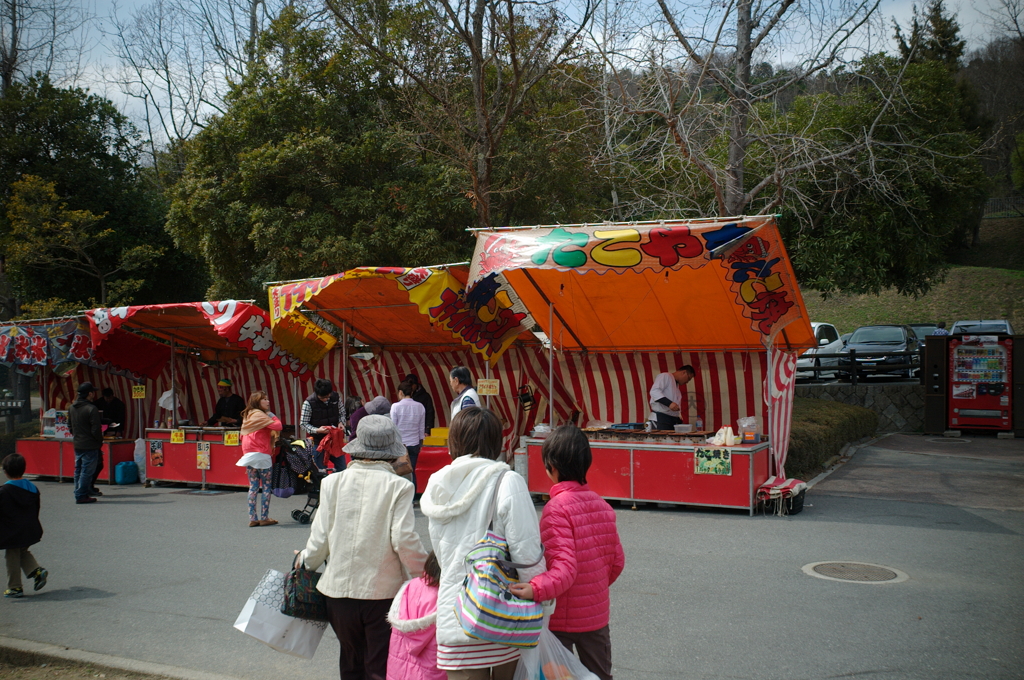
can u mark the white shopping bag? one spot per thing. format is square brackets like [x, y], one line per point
[549, 659]
[261, 618]
[140, 458]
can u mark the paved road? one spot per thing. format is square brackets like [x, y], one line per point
[159, 576]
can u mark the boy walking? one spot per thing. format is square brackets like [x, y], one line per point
[19, 526]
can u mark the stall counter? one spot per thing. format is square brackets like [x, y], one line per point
[664, 473]
[178, 462]
[49, 457]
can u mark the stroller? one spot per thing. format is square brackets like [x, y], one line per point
[296, 469]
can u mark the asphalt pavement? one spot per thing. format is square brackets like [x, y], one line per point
[156, 576]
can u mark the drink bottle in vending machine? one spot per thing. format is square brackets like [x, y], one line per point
[980, 382]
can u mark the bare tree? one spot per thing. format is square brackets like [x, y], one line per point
[1006, 17]
[700, 79]
[471, 63]
[179, 57]
[45, 36]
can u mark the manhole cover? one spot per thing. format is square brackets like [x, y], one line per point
[948, 440]
[858, 572]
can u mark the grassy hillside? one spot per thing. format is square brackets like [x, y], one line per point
[993, 291]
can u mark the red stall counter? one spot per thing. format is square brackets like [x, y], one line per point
[430, 460]
[178, 461]
[665, 473]
[49, 457]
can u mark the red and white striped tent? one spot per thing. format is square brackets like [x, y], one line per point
[722, 289]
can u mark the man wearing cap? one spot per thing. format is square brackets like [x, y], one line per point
[422, 396]
[84, 423]
[667, 396]
[229, 407]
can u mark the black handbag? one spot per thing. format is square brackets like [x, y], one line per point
[301, 598]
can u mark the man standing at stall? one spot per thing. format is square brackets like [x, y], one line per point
[667, 397]
[228, 412]
[113, 410]
[87, 433]
[422, 396]
[321, 410]
[462, 384]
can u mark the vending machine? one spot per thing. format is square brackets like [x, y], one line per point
[980, 384]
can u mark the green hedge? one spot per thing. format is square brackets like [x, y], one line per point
[20, 431]
[819, 431]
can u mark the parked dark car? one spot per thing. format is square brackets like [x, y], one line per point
[875, 347]
[923, 330]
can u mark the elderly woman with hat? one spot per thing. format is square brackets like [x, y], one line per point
[365, 530]
[378, 406]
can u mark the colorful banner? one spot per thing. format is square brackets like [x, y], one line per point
[749, 251]
[293, 331]
[241, 324]
[780, 388]
[487, 319]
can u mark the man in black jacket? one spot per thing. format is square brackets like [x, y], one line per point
[228, 412]
[321, 410]
[422, 396]
[84, 422]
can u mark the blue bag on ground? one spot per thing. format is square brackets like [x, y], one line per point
[126, 472]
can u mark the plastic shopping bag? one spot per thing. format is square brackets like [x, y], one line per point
[262, 619]
[139, 456]
[549, 660]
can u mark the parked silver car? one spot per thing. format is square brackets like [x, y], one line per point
[982, 327]
[828, 343]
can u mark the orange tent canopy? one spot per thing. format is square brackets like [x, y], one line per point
[694, 285]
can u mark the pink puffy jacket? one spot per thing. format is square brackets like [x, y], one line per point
[584, 557]
[413, 651]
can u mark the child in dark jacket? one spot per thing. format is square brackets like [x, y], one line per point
[19, 526]
[583, 552]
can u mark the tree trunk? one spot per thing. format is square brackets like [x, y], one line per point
[739, 114]
[9, 60]
[482, 143]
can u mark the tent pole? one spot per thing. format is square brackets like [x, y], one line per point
[551, 366]
[46, 394]
[298, 434]
[174, 391]
[768, 410]
[344, 368]
[487, 374]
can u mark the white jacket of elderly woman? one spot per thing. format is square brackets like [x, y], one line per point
[456, 502]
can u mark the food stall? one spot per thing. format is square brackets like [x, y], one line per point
[396, 321]
[660, 293]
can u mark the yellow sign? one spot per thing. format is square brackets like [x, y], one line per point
[202, 455]
[487, 387]
[177, 436]
[138, 391]
[231, 438]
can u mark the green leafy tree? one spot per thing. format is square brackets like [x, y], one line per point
[934, 36]
[47, 236]
[303, 175]
[82, 145]
[845, 234]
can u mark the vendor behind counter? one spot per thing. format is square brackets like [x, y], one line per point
[228, 412]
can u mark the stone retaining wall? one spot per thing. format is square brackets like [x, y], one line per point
[900, 408]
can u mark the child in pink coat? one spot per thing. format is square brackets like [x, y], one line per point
[413, 651]
[583, 552]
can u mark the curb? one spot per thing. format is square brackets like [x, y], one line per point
[26, 652]
[845, 454]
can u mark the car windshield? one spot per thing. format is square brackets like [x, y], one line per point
[877, 334]
[980, 328]
[922, 330]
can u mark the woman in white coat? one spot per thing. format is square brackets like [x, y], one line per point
[365, 525]
[456, 501]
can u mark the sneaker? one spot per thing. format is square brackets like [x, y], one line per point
[14, 592]
[95, 492]
[267, 522]
[39, 575]
[87, 499]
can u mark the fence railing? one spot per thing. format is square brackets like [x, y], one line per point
[1008, 206]
[848, 364]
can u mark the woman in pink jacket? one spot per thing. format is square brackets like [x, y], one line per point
[583, 553]
[259, 435]
[413, 619]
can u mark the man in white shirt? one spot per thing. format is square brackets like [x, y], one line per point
[667, 397]
[409, 416]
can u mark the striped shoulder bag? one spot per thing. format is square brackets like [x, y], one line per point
[486, 607]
